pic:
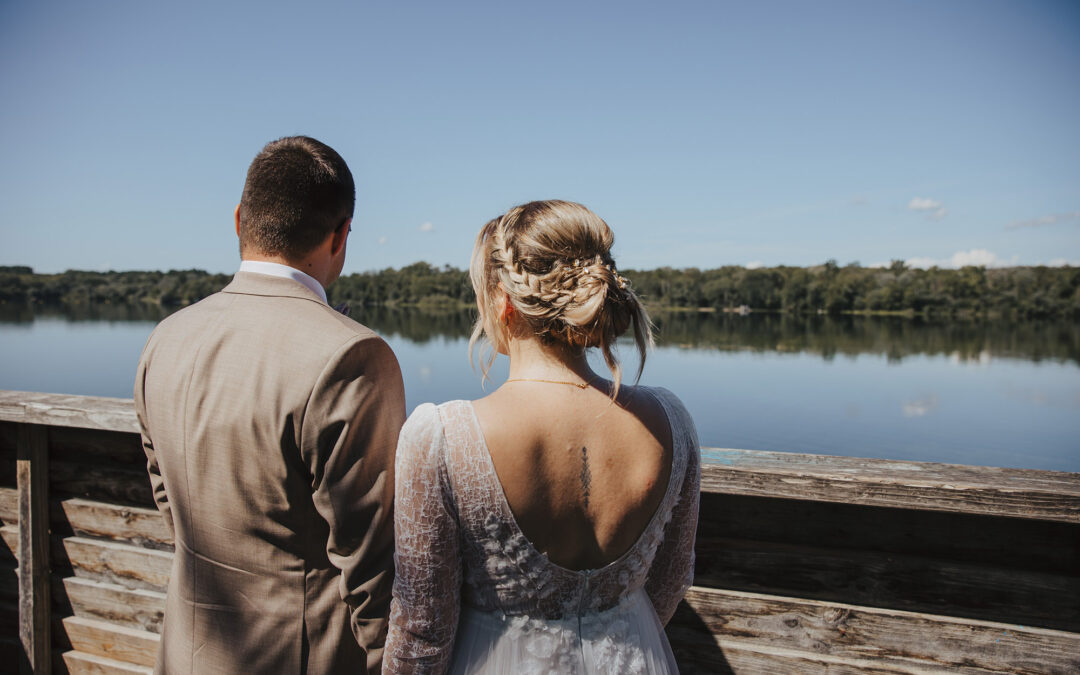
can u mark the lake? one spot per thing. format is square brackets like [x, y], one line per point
[965, 392]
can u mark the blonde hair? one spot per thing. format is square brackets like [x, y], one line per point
[553, 260]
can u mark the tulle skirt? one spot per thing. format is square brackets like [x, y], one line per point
[627, 638]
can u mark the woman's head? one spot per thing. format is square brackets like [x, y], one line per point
[552, 259]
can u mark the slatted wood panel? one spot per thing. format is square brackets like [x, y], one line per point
[980, 567]
[138, 525]
[851, 633]
[805, 563]
[130, 566]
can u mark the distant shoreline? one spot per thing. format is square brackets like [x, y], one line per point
[897, 290]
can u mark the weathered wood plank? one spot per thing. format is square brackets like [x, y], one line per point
[84, 517]
[78, 663]
[1036, 545]
[732, 657]
[62, 410]
[32, 549]
[890, 580]
[102, 483]
[101, 638]
[136, 608]
[109, 483]
[111, 562]
[122, 564]
[1020, 493]
[70, 444]
[845, 631]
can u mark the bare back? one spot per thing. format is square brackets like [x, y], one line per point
[582, 475]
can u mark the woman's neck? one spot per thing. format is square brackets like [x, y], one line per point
[532, 359]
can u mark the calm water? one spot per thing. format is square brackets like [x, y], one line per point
[990, 393]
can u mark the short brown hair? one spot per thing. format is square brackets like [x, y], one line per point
[553, 260]
[298, 190]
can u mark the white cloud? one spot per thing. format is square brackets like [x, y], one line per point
[933, 209]
[976, 256]
[923, 204]
[754, 264]
[1062, 262]
[382, 240]
[1052, 219]
[426, 227]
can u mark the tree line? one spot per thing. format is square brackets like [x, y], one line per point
[829, 288]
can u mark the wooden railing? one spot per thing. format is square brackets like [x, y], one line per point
[805, 563]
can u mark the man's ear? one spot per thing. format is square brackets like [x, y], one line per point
[236, 219]
[339, 236]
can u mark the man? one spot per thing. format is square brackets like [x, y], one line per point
[269, 422]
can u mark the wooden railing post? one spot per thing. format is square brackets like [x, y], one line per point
[34, 597]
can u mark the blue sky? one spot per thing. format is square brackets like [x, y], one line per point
[706, 133]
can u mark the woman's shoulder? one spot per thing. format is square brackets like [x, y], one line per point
[678, 417]
[429, 419]
[665, 397]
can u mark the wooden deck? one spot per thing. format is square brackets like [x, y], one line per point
[805, 563]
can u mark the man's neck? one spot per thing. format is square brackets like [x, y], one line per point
[277, 269]
[308, 267]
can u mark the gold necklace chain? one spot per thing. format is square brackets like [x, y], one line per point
[579, 385]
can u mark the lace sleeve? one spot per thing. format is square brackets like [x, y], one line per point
[427, 585]
[672, 570]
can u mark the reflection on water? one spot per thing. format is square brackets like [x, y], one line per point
[826, 336]
[893, 336]
[15, 313]
[967, 392]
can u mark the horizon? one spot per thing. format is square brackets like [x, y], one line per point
[706, 135]
[450, 266]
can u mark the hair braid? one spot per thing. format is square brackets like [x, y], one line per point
[553, 261]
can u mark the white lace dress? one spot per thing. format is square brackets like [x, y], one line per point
[473, 595]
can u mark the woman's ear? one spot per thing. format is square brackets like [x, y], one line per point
[506, 308]
[503, 307]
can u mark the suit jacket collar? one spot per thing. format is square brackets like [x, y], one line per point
[251, 283]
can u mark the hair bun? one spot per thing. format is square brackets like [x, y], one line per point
[553, 261]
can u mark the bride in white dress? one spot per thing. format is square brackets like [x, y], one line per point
[548, 527]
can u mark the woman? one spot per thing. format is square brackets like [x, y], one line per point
[548, 527]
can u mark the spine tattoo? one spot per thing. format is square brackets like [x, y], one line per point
[586, 475]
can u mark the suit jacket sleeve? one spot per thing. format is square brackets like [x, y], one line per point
[349, 435]
[157, 483]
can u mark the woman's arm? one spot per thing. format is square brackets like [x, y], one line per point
[427, 583]
[672, 569]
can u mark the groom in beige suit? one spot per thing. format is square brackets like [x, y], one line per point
[269, 422]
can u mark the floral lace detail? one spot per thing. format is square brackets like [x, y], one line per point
[459, 544]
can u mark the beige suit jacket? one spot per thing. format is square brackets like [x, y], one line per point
[269, 423]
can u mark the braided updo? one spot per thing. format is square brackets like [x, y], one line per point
[553, 260]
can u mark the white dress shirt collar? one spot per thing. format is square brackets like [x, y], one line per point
[284, 271]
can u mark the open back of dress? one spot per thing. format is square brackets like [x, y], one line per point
[472, 593]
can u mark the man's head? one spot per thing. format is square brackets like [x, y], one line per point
[298, 192]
